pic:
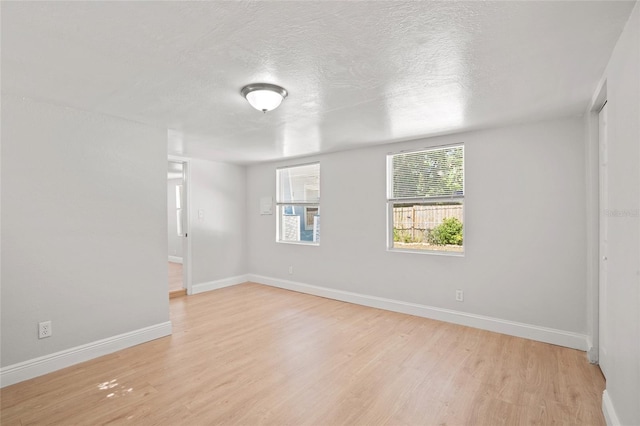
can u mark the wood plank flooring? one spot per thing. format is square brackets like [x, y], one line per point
[252, 354]
[175, 277]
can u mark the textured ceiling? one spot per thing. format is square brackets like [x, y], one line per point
[357, 73]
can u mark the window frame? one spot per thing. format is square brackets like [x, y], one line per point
[280, 205]
[427, 200]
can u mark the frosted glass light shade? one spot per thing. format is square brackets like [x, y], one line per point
[264, 97]
[264, 100]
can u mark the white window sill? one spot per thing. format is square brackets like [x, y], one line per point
[298, 243]
[432, 252]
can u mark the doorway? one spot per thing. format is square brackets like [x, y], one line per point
[177, 228]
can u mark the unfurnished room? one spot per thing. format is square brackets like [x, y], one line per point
[320, 213]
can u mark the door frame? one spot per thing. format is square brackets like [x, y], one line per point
[592, 168]
[602, 238]
[186, 255]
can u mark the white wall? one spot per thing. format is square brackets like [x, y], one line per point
[75, 185]
[218, 238]
[175, 241]
[525, 257]
[623, 300]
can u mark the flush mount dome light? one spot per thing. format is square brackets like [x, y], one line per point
[264, 96]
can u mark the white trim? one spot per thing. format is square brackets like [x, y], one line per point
[592, 351]
[178, 158]
[175, 259]
[300, 243]
[592, 178]
[609, 412]
[214, 285]
[432, 252]
[48, 363]
[512, 328]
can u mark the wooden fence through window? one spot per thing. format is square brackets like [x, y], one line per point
[415, 220]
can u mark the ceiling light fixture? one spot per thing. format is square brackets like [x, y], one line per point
[264, 96]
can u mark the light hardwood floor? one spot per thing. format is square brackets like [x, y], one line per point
[175, 276]
[252, 354]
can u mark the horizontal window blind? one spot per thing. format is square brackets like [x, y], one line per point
[430, 173]
[299, 184]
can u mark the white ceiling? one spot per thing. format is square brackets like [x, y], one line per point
[357, 73]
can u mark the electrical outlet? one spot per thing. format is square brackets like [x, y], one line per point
[290, 270]
[459, 295]
[44, 329]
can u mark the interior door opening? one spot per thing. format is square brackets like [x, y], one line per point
[177, 228]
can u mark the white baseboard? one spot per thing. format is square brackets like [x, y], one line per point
[175, 259]
[214, 285]
[609, 412]
[46, 364]
[512, 328]
[592, 351]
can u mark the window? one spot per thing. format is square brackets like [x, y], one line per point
[298, 203]
[425, 197]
